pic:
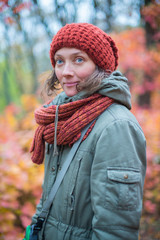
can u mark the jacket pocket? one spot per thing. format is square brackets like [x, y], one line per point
[122, 188]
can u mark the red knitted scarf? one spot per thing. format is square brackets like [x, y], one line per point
[72, 118]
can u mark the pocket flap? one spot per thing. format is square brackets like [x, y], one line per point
[124, 175]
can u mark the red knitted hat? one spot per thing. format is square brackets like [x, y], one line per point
[96, 43]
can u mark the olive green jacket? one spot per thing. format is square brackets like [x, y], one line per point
[100, 197]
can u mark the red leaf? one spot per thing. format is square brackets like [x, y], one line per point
[22, 6]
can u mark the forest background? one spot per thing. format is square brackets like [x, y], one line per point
[26, 30]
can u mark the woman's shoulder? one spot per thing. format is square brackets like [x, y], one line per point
[117, 114]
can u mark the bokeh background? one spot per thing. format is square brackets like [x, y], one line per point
[26, 30]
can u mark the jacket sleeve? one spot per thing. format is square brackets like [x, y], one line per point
[117, 180]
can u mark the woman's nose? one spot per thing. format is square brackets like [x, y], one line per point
[68, 70]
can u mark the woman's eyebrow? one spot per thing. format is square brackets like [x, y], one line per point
[72, 54]
[57, 55]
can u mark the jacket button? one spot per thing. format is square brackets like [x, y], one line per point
[53, 169]
[125, 176]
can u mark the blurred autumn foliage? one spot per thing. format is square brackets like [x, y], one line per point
[21, 180]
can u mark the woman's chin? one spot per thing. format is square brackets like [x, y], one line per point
[70, 92]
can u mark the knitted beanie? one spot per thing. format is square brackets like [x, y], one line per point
[84, 36]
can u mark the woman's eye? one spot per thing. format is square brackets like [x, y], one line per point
[79, 60]
[59, 61]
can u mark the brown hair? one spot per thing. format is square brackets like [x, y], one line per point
[90, 85]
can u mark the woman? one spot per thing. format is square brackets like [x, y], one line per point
[100, 196]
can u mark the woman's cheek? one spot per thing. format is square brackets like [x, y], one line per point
[58, 74]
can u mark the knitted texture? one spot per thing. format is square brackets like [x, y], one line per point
[96, 43]
[72, 118]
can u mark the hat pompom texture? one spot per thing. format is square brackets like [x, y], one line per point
[99, 46]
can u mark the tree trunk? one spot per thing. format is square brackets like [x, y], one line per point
[148, 28]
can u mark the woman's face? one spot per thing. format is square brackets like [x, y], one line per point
[72, 66]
